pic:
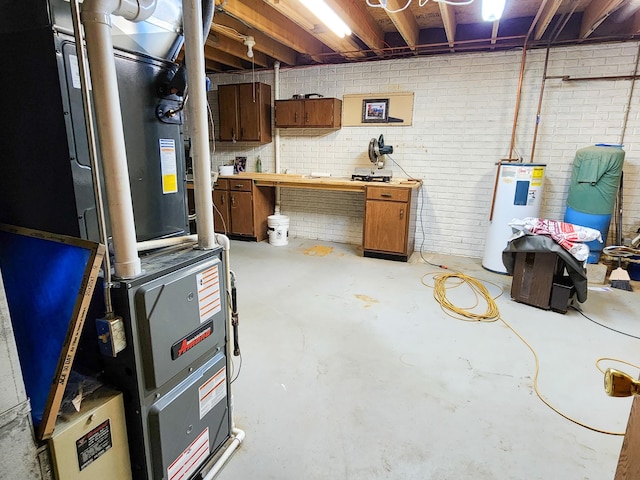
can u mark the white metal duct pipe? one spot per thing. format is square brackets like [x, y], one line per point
[96, 19]
[197, 113]
[276, 143]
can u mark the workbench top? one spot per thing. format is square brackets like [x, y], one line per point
[319, 183]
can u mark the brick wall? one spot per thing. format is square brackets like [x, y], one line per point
[462, 123]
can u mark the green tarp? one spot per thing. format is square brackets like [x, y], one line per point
[595, 179]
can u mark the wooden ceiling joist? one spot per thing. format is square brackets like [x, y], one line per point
[225, 25]
[300, 15]
[361, 23]
[596, 13]
[449, 20]
[237, 49]
[215, 55]
[404, 22]
[263, 17]
[548, 12]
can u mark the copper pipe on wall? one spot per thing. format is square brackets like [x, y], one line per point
[519, 94]
[517, 111]
[552, 39]
[535, 130]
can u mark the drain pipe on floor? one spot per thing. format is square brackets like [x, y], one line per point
[276, 143]
[95, 16]
[237, 435]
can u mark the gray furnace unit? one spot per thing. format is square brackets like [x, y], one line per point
[173, 371]
[175, 368]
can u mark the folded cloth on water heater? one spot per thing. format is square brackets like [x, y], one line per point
[567, 235]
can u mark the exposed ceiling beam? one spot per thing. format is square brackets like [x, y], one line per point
[635, 29]
[225, 25]
[237, 49]
[213, 54]
[494, 31]
[449, 20]
[357, 17]
[596, 13]
[404, 22]
[294, 10]
[212, 66]
[546, 16]
[263, 17]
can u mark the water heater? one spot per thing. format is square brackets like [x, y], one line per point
[518, 194]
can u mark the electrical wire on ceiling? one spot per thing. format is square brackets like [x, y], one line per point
[421, 3]
[443, 281]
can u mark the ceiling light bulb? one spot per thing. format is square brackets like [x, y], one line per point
[249, 42]
[492, 10]
[327, 16]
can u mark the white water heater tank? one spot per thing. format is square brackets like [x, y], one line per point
[518, 194]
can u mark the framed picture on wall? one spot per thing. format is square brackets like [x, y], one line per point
[375, 110]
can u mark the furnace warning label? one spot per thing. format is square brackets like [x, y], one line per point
[75, 73]
[188, 462]
[209, 301]
[168, 165]
[214, 390]
[93, 444]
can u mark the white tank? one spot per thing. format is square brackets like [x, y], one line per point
[518, 195]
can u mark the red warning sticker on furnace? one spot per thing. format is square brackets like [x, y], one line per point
[209, 293]
[188, 462]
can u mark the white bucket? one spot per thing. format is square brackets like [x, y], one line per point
[278, 229]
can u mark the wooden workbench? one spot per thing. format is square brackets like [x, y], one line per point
[342, 184]
[245, 200]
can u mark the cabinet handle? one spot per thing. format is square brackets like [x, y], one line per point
[242, 132]
[386, 195]
[295, 117]
[222, 199]
[401, 213]
[233, 200]
[239, 185]
[306, 117]
[233, 134]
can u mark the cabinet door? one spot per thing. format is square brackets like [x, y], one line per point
[250, 102]
[221, 211]
[241, 212]
[319, 112]
[289, 113]
[385, 226]
[228, 109]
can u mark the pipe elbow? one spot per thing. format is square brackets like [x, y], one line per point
[223, 241]
[146, 8]
[98, 11]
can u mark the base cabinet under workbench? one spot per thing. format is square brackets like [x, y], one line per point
[241, 208]
[389, 222]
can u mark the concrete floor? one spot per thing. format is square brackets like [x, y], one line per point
[351, 370]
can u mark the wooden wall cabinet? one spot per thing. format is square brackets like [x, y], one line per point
[389, 222]
[309, 113]
[245, 112]
[241, 208]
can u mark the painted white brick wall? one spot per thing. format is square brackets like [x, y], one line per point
[463, 114]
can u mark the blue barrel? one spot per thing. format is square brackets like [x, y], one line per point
[598, 222]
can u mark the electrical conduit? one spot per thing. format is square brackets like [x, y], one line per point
[197, 113]
[95, 17]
